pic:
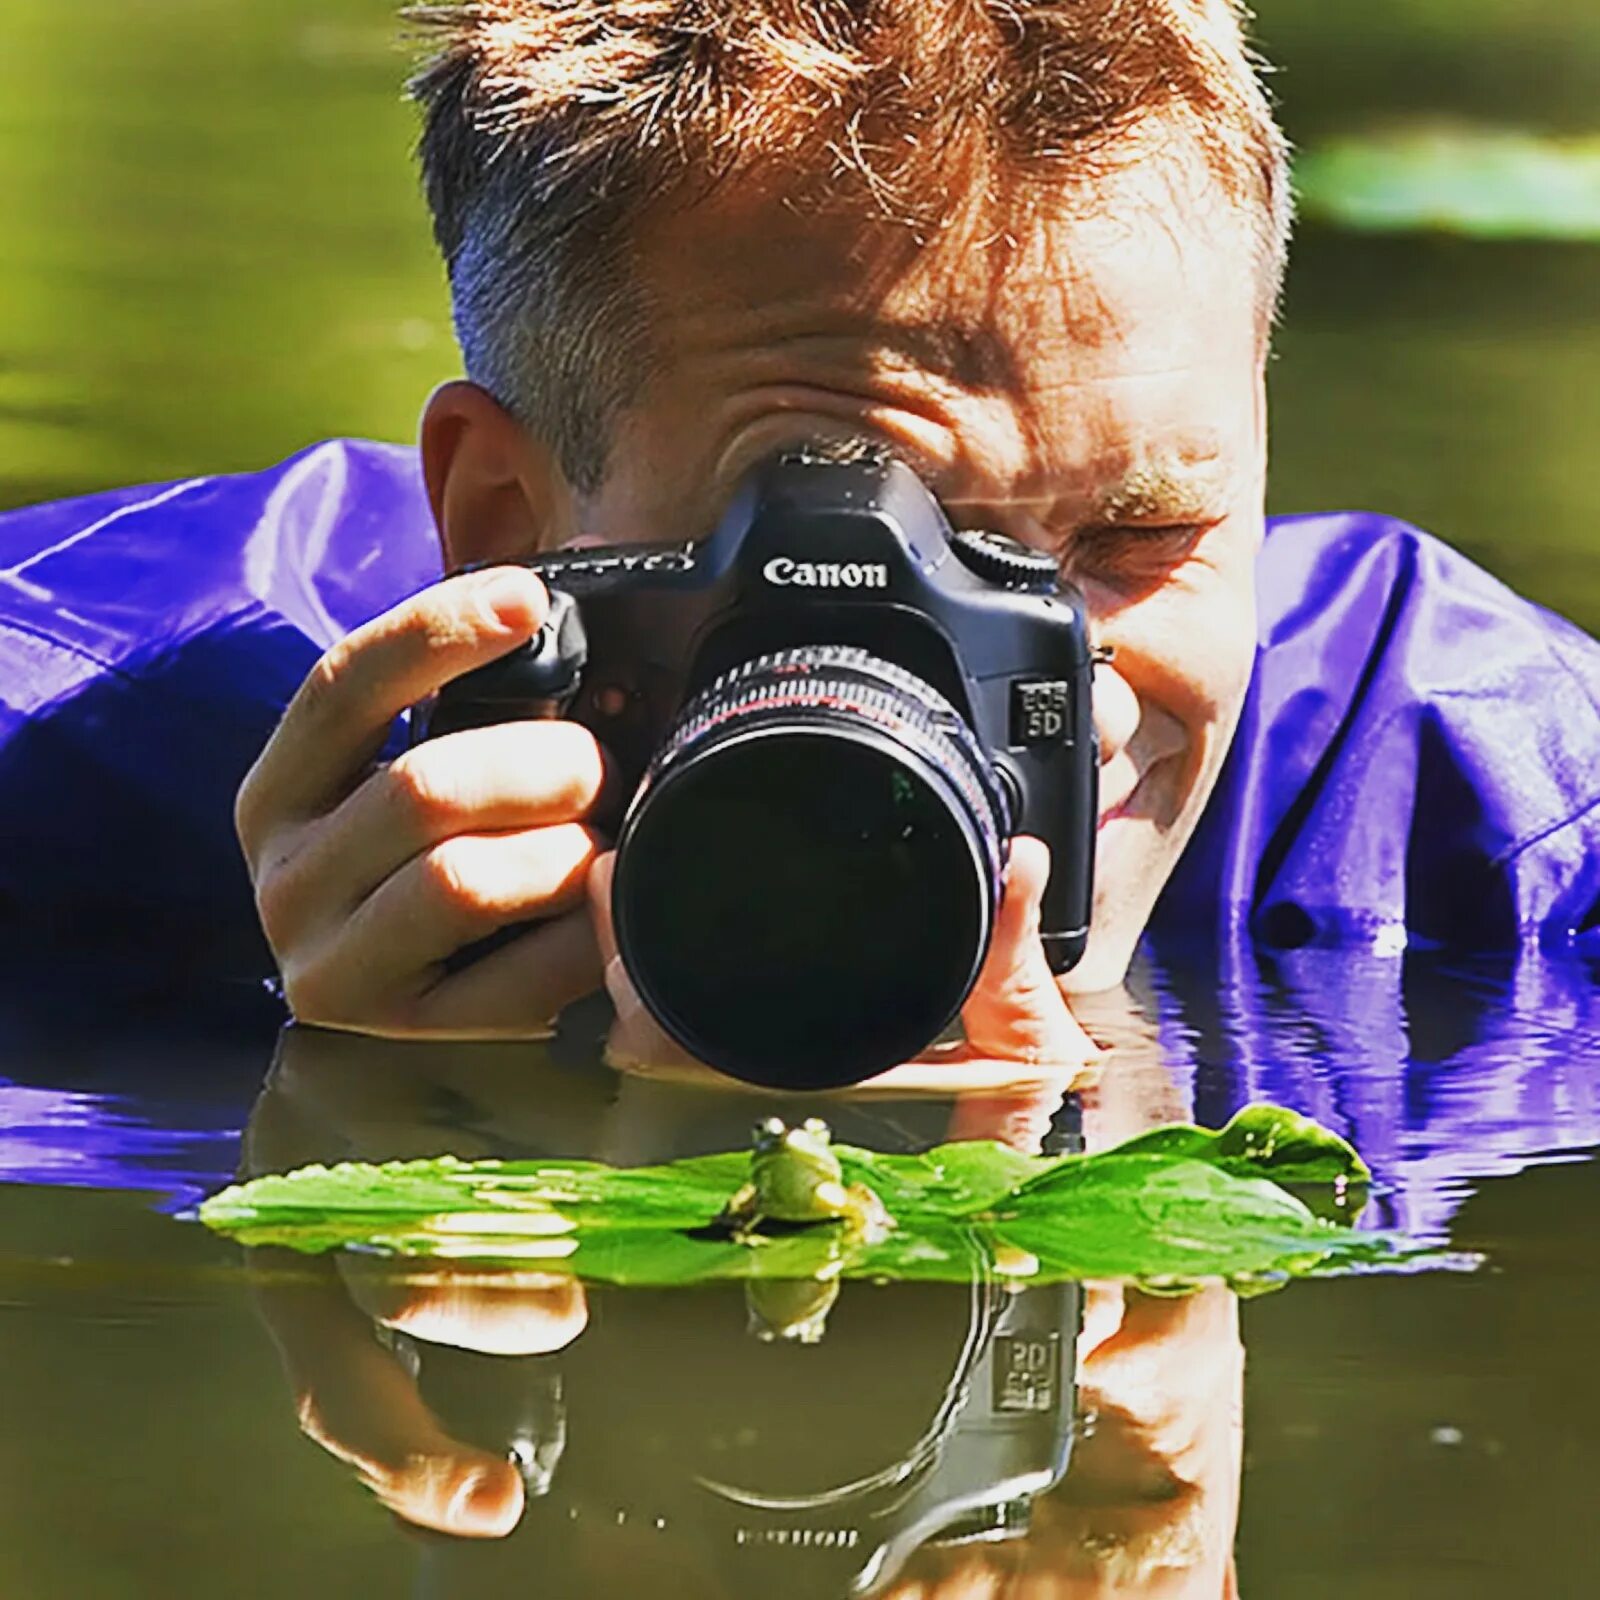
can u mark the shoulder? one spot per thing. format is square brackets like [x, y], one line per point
[149, 639]
[1419, 755]
[317, 538]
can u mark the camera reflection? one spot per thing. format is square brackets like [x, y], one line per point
[815, 1439]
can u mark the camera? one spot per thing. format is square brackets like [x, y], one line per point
[930, 1415]
[832, 714]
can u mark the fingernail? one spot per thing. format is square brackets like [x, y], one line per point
[512, 595]
[480, 1502]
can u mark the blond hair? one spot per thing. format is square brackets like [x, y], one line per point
[548, 125]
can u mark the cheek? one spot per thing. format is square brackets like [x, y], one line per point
[1186, 650]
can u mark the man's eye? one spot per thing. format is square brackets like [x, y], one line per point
[1134, 553]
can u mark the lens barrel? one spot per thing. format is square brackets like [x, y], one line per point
[807, 879]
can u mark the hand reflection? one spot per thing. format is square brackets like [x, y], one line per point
[337, 1097]
[361, 1404]
[1150, 1502]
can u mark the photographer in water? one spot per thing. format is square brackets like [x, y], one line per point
[1037, 257]
[1054, 301]
[1033, 252]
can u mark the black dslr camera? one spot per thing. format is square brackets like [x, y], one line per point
[831, 715]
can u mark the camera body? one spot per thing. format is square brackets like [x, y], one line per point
[830, 588]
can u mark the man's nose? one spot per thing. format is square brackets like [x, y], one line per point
[1116, 710]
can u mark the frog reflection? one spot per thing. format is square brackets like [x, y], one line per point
[632, 1433]
[796, 1180]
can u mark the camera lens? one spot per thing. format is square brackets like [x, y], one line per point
[807, 881]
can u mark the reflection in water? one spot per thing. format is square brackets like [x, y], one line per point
[938, 1438]
[124, 1337]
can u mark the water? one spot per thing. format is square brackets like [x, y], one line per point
[1407, 1436]
[213, 255]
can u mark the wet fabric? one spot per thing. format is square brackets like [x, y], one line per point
[1418, 763]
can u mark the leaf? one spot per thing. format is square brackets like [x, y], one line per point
[1169, 1207]
[1484, 182]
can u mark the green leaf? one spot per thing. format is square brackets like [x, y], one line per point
[1487, 183]
[1168, 1208]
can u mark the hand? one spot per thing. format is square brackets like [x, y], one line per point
[1019, 1030]
[368, 879]
[1150, 1502]
[356, 1400]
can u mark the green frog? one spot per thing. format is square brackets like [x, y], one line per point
[795, 1177]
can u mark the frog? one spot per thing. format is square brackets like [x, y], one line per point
[796, 1178]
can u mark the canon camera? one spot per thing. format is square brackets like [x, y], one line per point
[831, 716]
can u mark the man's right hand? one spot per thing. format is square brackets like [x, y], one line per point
[368, 878]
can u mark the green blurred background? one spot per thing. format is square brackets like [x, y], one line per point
[214, 253]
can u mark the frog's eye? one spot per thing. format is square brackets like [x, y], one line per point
[818, 1129]
[769, 1134]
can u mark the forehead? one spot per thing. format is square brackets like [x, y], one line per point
[1103, 351]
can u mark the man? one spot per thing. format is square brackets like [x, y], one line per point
[1055, 303]
[1033, 249]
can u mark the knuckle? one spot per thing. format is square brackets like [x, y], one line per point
[419, 789]
[314, 995]
[247, 811]
[450, 879]
[276, 899]
[332, 667]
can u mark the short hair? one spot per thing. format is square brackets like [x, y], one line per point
[550, 125]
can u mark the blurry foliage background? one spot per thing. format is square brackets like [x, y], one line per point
[214, 253]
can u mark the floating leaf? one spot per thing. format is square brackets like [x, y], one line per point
[1170, 1207]
[1483, 182]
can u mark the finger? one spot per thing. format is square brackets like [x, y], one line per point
[1019, 1115]
[518, 991]
[391, 952]
[999, 1063]
[498, 1313]
[637, 1043]
[513, 776]
[601, 876]
[1016, 1011]
[342, 712]
[355, 1400]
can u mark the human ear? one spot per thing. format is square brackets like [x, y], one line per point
[497, 492]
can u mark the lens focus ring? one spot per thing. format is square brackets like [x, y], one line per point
[826, 681]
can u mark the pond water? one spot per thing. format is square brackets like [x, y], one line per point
[213, 255]
[1402, 1436]
[1408, 1436]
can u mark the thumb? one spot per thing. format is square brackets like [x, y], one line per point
[1016, 1011]
[637, 1042]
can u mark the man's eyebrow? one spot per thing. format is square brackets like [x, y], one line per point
[1185, 485]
